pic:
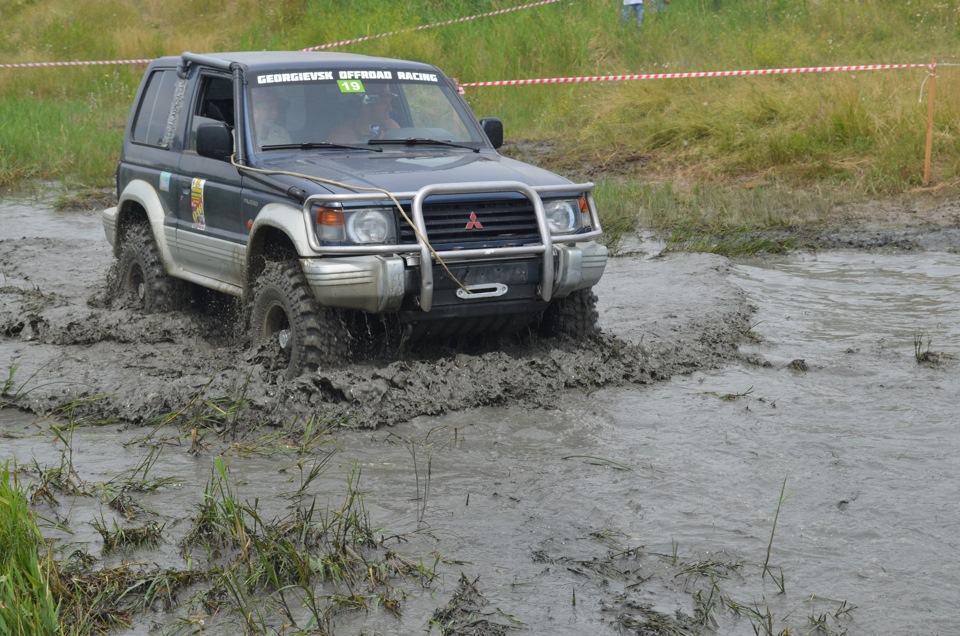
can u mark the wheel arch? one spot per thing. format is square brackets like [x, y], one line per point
[130, 213]
[140, 204]
[268, 243]
[278, 233]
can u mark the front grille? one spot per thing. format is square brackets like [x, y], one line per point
[477, 223]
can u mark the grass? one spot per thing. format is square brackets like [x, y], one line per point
[104, 599]
[9, 388]
[278, 567]
[119, 538]
[202, 412]
[71, 140]
[296, 571]
[222, 520]
[27, 605]
[467, 613]
[924, 354]
[260, 564]
[766, 562]
[690, 158]
[11, 391]
[720, 219]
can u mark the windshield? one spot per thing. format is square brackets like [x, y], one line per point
[337, 109]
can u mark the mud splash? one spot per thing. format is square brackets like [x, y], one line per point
[73, 342]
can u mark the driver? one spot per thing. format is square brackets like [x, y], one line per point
[371, 121]
[267, 109]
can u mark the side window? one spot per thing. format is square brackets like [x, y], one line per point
[214, 103]
[157, 109]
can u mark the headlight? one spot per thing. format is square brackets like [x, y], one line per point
[360, 226]
[563, 216]
[370, 225]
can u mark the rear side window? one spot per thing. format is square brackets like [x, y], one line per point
[155, 119]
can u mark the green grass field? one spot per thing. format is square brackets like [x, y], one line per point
[650, 144]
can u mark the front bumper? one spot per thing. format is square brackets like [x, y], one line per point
[109, 219]
[377, 279]
[379, 284]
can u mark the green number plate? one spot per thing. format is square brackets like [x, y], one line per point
[350, 86]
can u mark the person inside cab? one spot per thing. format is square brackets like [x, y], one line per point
[372, 119]
[267, 113]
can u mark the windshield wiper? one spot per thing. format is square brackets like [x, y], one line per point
[413, 141]
[310, 145]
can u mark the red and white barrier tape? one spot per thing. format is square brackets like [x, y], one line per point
[424, 27]
[652, 76]
[93, 63]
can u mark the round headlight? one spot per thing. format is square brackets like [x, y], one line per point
[562, 216]
[369, 226]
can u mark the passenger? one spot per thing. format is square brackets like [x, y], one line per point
[373, 119]
[267, 109]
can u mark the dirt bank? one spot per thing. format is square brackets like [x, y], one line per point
[922, 222]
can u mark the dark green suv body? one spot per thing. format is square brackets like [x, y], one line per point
[259, 175]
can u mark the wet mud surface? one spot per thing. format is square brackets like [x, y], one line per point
[731, 416]
[63, 328]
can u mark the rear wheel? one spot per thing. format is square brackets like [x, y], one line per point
[142, 278]
[574, 316]
[285, 311]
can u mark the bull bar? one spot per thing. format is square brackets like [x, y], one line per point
[417, 198]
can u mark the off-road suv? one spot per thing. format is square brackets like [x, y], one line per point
[315, 185]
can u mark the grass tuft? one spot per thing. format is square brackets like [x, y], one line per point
[27, 604]
[925, 355]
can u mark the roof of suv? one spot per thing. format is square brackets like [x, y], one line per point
[268, 60]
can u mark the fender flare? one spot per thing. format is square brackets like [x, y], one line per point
[284, 218]
[143, 194]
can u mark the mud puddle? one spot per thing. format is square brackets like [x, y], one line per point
[63, 332]
[624, 487]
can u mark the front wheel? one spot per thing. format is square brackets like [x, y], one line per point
[285, 311]
[142, 277]
[574, 316]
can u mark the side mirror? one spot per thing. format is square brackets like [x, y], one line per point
[214, 141]
[493, 128]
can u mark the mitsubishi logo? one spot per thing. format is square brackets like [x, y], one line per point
[474, 224]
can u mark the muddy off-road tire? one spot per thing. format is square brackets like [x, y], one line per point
[574, 316]
[283, 302]
[141, 277]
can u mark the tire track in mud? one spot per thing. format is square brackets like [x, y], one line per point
[65, 340]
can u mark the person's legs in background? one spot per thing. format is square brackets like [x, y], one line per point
[636, 10]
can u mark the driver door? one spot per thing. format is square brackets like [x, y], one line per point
[211, 239]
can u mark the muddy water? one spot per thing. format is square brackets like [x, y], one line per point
[865, 438]
[582, 491]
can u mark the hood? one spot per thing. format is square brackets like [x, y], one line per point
[404, 171]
